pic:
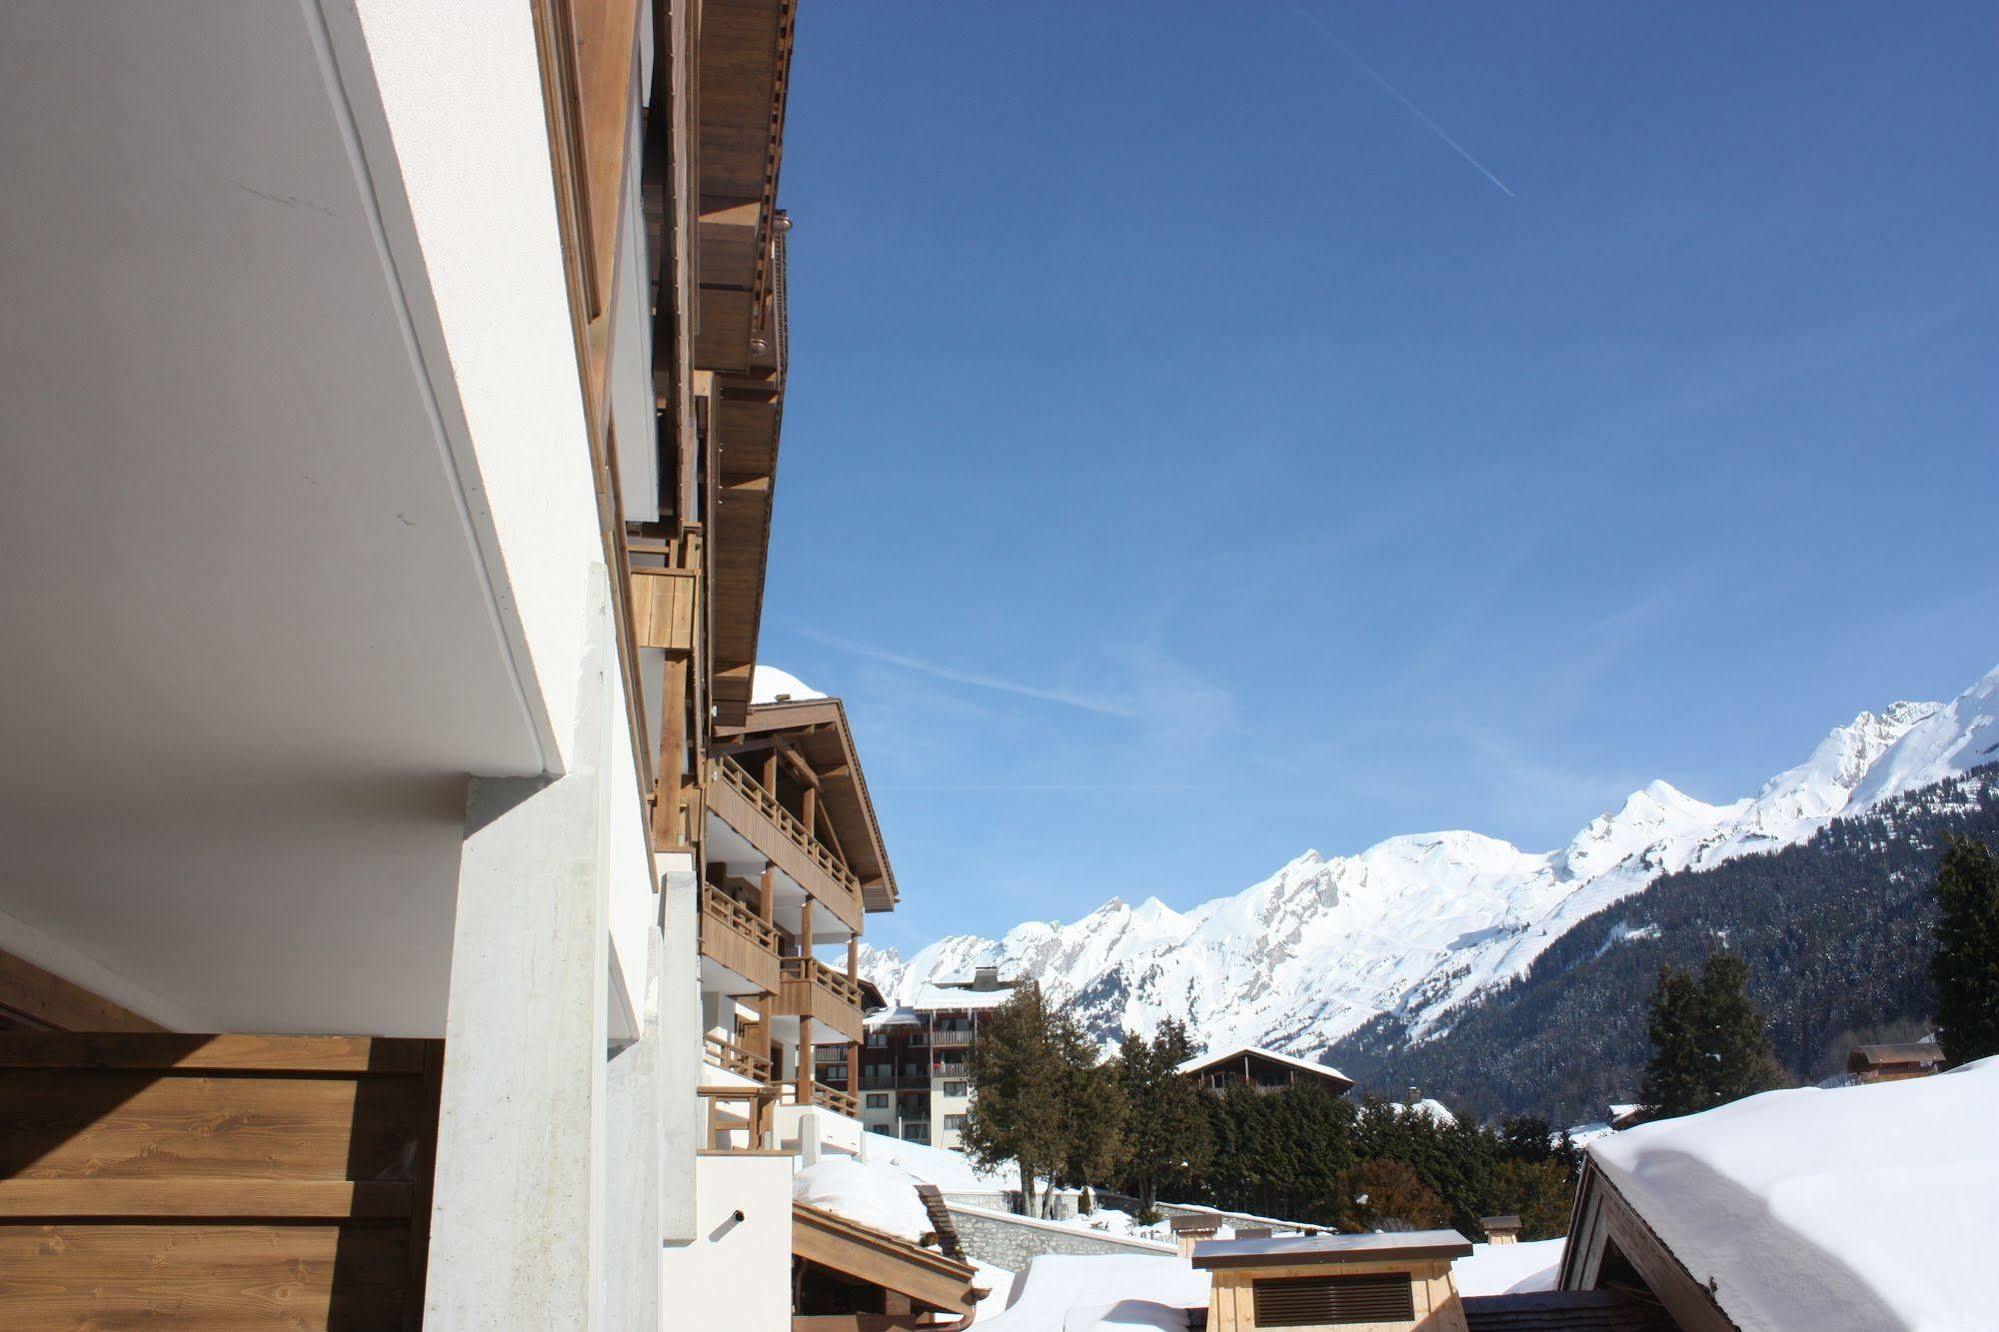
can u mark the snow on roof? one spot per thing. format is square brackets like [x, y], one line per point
[768, 684]
[894, 1017]
[1859, 1206]
[1509, 1269]
[1079, 1294]
[931, 997]
[1199, 1062]
[875, 1194]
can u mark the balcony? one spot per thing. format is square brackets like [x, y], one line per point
[735, 937]
[733, 1058]
[740, 801]
[830, 1098]
[811, 989]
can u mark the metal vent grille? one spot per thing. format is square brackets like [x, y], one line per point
[1314, 1301]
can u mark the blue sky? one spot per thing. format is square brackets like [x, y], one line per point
[1192, 457]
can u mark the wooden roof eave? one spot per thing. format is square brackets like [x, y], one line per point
[818, 727]
[926, 1277]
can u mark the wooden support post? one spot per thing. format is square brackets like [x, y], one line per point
[805, 930]
[767, 907]
[770, 773]
[802, 1082]
[853, 957]
[811, 812]
[854, 1072]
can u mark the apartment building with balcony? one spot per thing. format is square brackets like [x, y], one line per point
[396, 858]
[915, 1077]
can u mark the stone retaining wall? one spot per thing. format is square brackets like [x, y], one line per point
[1011, 1242]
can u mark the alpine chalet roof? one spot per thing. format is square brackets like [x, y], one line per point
[817, 728]
[1201, 1063]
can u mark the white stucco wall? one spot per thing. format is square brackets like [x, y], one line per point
[461, 94]
[734, 1274]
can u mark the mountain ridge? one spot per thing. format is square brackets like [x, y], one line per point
[1417, 925]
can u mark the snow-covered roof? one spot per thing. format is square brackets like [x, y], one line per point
[895, 1017]
[1864, 1206]
[1509, 1269]
[1079, 1294]
[768, 684]
[933, 997]
[1199, 1062]
[876, 1194]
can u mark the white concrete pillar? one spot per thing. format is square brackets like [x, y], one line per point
[634, 1093]
[517, 1212]
[681, 1110]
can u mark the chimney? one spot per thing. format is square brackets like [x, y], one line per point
[1191, 1230]
[1500, 1229]
[985, 978]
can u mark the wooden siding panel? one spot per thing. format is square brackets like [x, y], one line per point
[305, 1277]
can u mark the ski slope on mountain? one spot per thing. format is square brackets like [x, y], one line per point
[1416, 925]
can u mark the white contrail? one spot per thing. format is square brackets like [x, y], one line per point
[1396, 93]
[1105, 706]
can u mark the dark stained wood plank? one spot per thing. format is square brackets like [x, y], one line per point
[74, 1200]
[56, 1124]
[306, 1277]
[238, 1054]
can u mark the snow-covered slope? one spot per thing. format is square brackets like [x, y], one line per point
[1417, 924]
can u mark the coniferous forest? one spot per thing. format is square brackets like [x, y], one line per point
[1836, 933]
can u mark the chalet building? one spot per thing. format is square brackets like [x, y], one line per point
[915, 1072]
[1261, 1070]
[1390, 1282]
[412, 915]
[1892, 1063]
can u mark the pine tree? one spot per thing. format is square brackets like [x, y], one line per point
[1740, 1061]
[1675, 1077]
[1709, 1044]
[1385, 1194]
[1168, 1137]
[1094, 1108]
[1017, 1110]
[1965, 964]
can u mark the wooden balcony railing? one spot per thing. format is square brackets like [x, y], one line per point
[733, 1058]
[739, 939]
[814, 990]
[832, 1098]
[740, 801]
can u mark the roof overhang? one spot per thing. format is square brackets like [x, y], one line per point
[1421, 1246]
[926, 1277]
[745, 56]
[817, 730]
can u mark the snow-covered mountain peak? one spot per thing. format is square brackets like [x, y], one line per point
[1419, 923]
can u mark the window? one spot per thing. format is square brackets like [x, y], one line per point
[954, 1089]
[877, 1040]
[955, 1123]
[916, 1133]
[1316, 1301]
[877, 1100]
